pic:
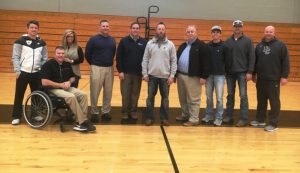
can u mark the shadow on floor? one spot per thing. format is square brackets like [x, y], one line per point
[287, 118]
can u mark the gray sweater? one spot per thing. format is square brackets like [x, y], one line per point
[242, 54]
[159, 59]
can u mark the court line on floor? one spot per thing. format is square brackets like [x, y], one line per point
[176, 170]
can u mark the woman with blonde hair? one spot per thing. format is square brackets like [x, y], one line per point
[73, 53]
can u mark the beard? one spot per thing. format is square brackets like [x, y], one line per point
[161, 37]
[135, 37]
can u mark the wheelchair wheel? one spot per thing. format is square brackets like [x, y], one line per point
[37, 109]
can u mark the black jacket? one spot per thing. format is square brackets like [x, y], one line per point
[130, 55]
[272, 60]
[198, 58]
[219, 58]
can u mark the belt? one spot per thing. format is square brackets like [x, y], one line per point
[182, 73]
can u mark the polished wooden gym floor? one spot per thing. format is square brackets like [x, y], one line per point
[137, 148]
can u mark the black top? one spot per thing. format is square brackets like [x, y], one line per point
[130, 55]
[272, 60]
[198, 58]
[242, 54]
[25, 40]
[219, 58]
[55, 72]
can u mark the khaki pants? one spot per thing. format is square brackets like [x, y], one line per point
[130, 90]
[77, 101]
[101, 76]
[189, 91]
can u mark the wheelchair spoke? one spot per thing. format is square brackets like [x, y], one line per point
[38, 109]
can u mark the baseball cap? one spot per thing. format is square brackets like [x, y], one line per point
[216, 28]
[237, 23]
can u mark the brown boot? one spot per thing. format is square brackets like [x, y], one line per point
[165, 123]
[189, 123]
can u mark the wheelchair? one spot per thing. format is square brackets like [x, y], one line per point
[40, 106]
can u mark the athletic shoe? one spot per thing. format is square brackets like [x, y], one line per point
[218, 122]
[38, 118]
[206, 119]
[257, 123]
[270, 128]
[15, 121]
[86, 126]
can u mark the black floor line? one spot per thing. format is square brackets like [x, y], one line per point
[176, 170]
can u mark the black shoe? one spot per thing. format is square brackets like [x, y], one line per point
[95, 118]
[182, 119]
[106, 117]
[228, 121]
[134, 115]
[125, 116]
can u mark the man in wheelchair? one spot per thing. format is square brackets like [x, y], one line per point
[57, 76]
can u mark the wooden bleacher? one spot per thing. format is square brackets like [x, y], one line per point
[53, 25]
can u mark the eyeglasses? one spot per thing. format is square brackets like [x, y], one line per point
[70, 36]
[135, 28]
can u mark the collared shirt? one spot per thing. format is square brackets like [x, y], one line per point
[183, 63]
[56, 72]
[134, 38]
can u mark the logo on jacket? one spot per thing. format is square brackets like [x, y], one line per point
[267, 50]
[28, 42]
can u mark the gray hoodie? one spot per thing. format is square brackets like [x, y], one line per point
[159, 59]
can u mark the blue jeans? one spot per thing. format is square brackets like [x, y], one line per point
[214, 82]
[231, 84]
[153, 84]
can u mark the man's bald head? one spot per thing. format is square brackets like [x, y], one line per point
[269, 33]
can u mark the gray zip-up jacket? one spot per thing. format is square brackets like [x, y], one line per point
[159, 59]
[242, 54]
[29, 55]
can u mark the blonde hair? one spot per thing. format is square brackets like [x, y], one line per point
[191, 26]
[64, 40]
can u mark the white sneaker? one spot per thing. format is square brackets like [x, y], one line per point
[38, 118]
[15, 121]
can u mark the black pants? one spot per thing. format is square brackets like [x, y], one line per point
[268, 90]
[34, 81]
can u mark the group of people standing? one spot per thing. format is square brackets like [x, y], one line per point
[157, 62]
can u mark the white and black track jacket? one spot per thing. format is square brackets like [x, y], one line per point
[29, 54]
